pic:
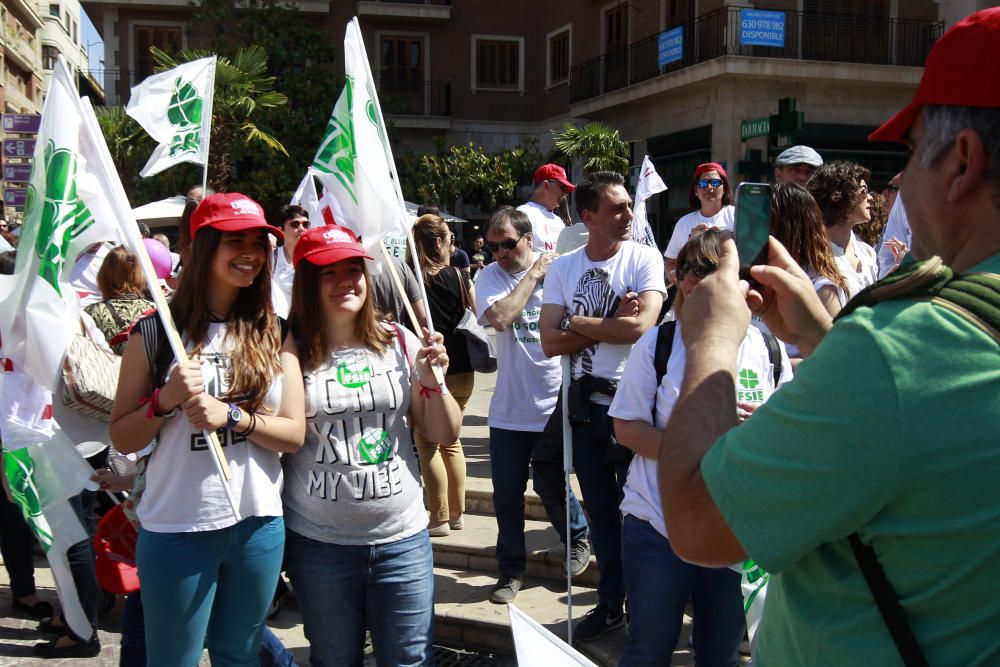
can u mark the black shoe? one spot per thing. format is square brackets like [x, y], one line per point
[39, 610]
[88, 649]
[506, 589]
[579, 557]
[49, 627]
[598, 622]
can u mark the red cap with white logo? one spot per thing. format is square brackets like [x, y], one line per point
[328, 245]
[230, 212]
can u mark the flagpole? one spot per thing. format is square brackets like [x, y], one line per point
[132, 236]
[397, 281]
[438, 375]
[207, 110]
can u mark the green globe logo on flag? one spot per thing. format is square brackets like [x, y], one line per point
[184, 113]
[338, 150]
[20, 469]
[748, 379]
[63, 217]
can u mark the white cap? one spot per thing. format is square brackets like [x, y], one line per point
[799, 155]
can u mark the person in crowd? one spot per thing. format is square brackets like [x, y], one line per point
[123, 287]
[711, 197]
[208, 576]
[871, 232]
[442, 464]
[878, 451]
[797, 223]
[479, 255]
[294, 223]
[657, 582]
[891, 191]
[358, 552]
[796, 165]
[460, 259]
[597, 301]
[551, 190]
[8, 241]
[522, 416]
[428, 209]
[841, 190]
[388, 299]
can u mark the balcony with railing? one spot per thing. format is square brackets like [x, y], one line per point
[420, 10]
[414, 98]
[845, 38]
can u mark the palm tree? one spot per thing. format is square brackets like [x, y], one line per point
[598, 145]
[241, 87]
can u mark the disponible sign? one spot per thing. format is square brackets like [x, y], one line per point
[671, 46]
[762, 28]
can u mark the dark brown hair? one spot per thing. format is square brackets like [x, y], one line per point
[307, 324]
[120, 274]
[871, 232]
[251, 325]
[797, 222]
[835, 188]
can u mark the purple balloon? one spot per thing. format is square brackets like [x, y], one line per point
[163, 263]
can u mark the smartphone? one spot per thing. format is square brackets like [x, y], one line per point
[753, 224]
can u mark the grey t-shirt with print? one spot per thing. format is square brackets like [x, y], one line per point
[356, 480]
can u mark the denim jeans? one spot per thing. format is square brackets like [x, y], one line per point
[209, 588]
[510, 456]
[601, 482]
[344, 589]
[659, 585]
[80, 558]
[16, 546]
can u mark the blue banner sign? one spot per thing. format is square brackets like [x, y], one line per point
[762, 28]
[671, 46]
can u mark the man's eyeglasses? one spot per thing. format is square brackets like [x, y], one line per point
[699, 271]
[562, 188]
[714, 182]
[304, 224]
[506, 244]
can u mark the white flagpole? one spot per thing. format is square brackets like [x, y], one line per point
[131, 232]
[207, 110]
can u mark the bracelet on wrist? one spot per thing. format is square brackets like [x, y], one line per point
[251, 427]
[426, 391]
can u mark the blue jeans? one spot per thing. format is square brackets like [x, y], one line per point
[601, 482]
[510, 456]
[80, 557]
[342, 589]
[659, 585]
[209, 588]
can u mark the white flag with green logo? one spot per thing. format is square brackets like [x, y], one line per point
[175, 108]
[68, 209]
[353, 158]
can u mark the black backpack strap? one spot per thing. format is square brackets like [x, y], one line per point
[888, 603]
[773, 355]
[661, 353]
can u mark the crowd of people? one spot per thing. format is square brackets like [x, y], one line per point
[809, 458]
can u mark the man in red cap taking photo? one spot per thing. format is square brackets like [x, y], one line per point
[551, 188]
[866, 487]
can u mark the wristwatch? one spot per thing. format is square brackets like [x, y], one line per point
[234, 416]
[564, 323]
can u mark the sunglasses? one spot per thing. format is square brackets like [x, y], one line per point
[562, 188]
[698, 271]
[892, 188]
[714, 182]
[304, 224]
[506, 244]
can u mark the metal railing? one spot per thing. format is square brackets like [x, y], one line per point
[808, 36]
[420, 98]
[416, 2]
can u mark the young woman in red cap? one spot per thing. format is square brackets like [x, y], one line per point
[711, 197]
[208, 579]
[358, 552]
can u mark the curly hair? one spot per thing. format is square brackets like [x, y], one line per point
[871, 232]
[834, 186]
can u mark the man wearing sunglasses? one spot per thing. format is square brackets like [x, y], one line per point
[551, 188]
[294, 223]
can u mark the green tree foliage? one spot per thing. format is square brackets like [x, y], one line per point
[598, 145]
[486, 180]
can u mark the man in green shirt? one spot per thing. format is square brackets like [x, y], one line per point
[891, 428]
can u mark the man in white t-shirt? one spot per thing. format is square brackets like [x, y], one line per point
[524, 427]
[598, 301]
[294, 223]
[551, 188]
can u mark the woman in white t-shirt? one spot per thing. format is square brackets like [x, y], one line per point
[841, 190]
[358, 553]
[658, 583]
[208, 577]
[711, 198]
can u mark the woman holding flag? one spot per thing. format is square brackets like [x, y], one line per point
[207, 576]
[358, 552]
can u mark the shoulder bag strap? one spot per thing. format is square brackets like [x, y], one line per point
[774, 355]
[888, 603]
[661, 353]
[463, 290]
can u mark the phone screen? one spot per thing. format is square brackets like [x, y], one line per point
[753, 223]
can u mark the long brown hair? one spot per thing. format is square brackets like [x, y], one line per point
[797, 222]
[307, 324]
[426, 231]
[120, 274]
[251, 325]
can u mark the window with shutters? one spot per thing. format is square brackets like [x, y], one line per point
[49, 56]
[167, 38]
[559, 42]
[498, 62]
[402, 79]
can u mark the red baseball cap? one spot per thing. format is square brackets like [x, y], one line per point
[553, 172]
[230, 212]
[708, 166]
[328, 245]
[957, 73]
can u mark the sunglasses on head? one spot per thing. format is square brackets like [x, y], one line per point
[697, 270]
[506, 244]
[304, 224]
[714, 182]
